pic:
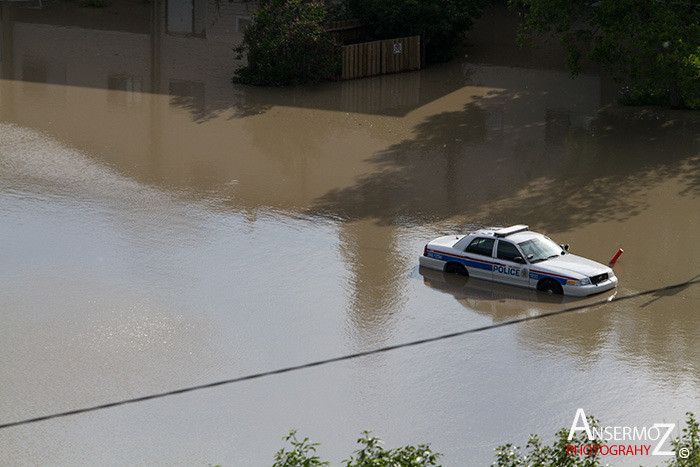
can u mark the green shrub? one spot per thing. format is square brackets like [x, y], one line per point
[287, 44]
[688, 442]
[372, 454]
[441, 24]
[301, 455]
[646, 96]
[538, 455]
[686, 447]
[651, 46]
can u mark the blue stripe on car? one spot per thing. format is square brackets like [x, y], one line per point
[536, 277]
[485, 265]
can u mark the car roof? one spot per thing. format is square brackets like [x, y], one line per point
[515, 233]
[523, 236]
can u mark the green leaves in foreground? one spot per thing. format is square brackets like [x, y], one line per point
[537, 455]
[687, 443]
[372, 454]
[300, 456]
[686, 447]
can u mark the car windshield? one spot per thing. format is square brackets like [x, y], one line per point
[539, 249]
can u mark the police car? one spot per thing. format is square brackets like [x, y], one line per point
[517, 256]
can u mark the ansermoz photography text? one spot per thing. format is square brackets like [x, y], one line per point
[654, 440]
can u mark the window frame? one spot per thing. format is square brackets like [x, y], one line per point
[490, 255]
[514, 245]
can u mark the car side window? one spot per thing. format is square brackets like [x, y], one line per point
[481, 246]
[507, 251]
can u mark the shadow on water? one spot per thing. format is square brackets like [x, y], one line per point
[528, 145]
[559, 167]
[388, 95]
[525, 143]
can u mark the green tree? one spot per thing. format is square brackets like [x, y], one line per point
[652, 46]
[687, 443]
[372, 454]
[441, 24]
[301, 455]
[686, 446]
[287, 44]
[538, 455]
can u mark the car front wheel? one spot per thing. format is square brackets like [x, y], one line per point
[550, 286]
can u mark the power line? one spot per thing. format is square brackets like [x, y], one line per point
[288, 369]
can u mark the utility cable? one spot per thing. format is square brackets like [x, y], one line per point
[346, 357]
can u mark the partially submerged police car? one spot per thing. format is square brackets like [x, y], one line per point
[515, 255]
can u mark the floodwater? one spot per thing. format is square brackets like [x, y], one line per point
[161, 228]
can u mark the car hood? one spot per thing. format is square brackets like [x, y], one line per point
[571, 265]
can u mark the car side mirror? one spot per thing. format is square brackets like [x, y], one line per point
[565, 247]
[519, 259]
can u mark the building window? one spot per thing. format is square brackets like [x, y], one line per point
[187, 17]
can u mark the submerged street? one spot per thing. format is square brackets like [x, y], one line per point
[163, 228]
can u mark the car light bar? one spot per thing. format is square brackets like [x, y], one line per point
[510, 230]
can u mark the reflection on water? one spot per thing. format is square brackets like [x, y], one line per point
[162, 227]
[499, 301]
[502, 302]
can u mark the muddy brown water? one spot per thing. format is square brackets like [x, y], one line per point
[163, 228]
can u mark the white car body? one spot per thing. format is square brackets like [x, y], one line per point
[504, 255]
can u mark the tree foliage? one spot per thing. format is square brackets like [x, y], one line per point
[302, 453]
[686, 446]
[287, 44]
[538, 455]
[689, 441]
[653, 46]
[441, 24]
[372, 454]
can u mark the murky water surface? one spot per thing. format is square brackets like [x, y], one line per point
[162, 228]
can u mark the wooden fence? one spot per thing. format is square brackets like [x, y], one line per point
[360, 60]
[381, 57]
[402, 54]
